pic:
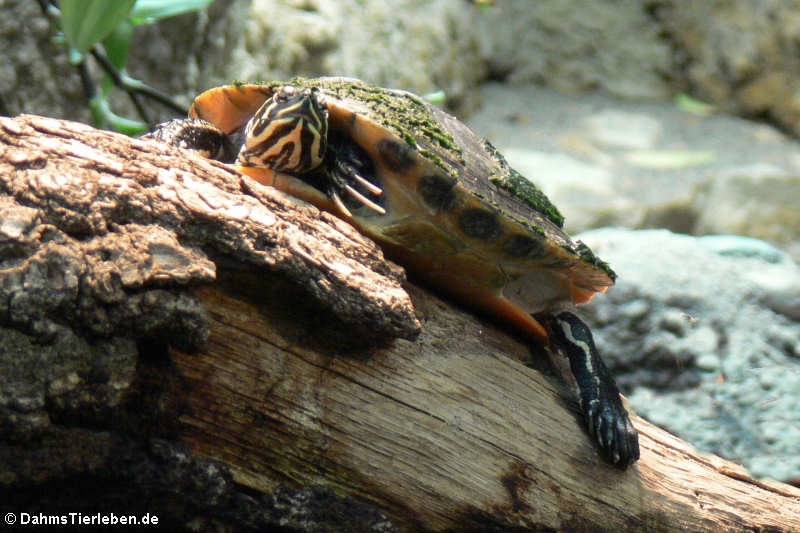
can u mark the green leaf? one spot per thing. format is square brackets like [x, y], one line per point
[118, 44]
[86, 22]
[117, 47]
[483, 5]
[436, 97]
[694, 106]
[149, 11]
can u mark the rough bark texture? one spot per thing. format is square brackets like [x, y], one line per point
[178, 340]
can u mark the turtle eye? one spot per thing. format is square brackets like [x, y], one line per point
[317, 96]
[286, 93]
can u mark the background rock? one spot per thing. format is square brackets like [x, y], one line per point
[419, 46]
[642, 165]
[740, 55]
[735, 54]
[761, 200]
[696, 343]
[31, 59]
[578, 45]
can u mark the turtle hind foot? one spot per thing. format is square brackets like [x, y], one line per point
[613, 432]
[606, 418]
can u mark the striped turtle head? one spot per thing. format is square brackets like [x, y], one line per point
[288, 133]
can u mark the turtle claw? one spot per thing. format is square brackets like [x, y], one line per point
[364, 200]
[606, 418]
[340, 205]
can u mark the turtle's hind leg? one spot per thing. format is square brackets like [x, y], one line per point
[606, 417]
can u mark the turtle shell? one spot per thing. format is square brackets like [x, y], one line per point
[452, 210]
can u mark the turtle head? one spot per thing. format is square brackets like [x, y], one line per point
[288, 133]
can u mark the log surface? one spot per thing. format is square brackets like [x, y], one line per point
[298, 357]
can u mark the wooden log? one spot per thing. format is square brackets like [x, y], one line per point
[293, 382]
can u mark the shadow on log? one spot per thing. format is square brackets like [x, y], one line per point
[178, 340]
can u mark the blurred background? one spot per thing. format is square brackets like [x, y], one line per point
[665, 131]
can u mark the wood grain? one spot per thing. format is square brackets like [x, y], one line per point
[449, 431]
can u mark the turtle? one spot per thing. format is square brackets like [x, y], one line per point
[439, 200]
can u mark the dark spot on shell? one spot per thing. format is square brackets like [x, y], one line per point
[396, 155]
[479, 224]
[523, 246]
[437, 192]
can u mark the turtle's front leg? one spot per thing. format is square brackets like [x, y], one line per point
[607, 419]
[195, 134]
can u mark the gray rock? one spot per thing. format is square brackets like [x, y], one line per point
[688, 173]
[697, 344]
[779, 292]
[738, 246]
[418, 46]
[620, 129]
[739, 54]
[760, 200]
[577, 45]
[31, 59]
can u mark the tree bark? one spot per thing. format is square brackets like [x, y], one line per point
[183, 305]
